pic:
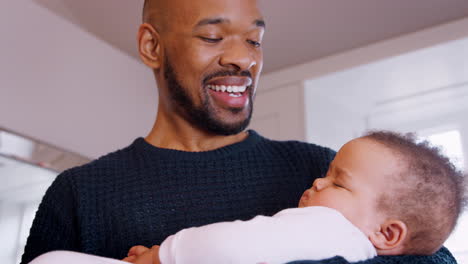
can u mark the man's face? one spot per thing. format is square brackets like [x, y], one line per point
[212, 61]
[359, 174]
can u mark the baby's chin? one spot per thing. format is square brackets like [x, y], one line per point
[303, 204]
[300, 204]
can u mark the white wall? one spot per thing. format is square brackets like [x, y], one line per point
[329, 122]
[21, 191]
[61, 85]
[279, 113]
[386, 93]
[340, 90]
[10, 224]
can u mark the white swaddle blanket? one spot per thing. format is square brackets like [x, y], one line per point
[310, 233]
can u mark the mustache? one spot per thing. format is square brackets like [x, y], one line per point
[227, 73]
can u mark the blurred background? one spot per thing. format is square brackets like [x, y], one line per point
[72, 87]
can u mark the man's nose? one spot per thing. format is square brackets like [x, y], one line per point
[239, 55]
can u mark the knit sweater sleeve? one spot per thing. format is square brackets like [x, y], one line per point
[443, 256]
[54, 227]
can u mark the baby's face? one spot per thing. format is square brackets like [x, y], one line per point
[354, 182]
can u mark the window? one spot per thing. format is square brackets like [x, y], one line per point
[451, 144]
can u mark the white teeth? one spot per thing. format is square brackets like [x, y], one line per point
[229, 89]
[235, 95]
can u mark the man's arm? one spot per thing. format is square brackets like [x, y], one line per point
[443, 256]
[54, 227]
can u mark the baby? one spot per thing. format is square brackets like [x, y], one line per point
[384, 194]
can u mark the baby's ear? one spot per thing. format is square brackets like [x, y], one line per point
[390, 238]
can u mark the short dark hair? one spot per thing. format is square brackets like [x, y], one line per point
[430, 194]
[145, 10]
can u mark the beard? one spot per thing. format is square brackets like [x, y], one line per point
[204, 116]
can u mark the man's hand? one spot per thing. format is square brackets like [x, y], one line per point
[143, 255]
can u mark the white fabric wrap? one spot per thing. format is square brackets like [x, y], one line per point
[310, 233]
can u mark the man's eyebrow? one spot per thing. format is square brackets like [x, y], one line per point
[219, 20]
[212, 21]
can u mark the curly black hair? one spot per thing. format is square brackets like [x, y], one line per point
[430, 193]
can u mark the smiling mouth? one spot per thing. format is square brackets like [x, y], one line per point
[233, 91]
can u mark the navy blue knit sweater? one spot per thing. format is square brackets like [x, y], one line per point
[141, 194]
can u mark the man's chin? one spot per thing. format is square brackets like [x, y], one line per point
[220, 127]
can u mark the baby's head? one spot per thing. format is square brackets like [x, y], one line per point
[405, 196]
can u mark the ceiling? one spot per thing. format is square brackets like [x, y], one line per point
[298, 31]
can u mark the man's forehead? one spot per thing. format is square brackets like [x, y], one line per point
[192, 13]
[259, 22]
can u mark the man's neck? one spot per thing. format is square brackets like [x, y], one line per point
[186, 137]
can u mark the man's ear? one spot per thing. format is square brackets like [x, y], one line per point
[390, 238]
[149, 46]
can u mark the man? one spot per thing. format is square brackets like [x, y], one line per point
[197, 165]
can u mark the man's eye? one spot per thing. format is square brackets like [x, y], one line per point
[254, 43]
[211, 40]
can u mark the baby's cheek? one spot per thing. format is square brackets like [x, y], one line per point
[320, 200]
[331, 200]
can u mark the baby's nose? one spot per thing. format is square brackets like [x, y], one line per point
[319, 184]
